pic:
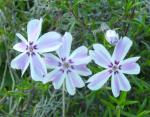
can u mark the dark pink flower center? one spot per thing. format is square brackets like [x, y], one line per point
[30, 48]
[66, 65]
[115, 67]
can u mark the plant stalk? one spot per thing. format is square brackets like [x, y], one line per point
[63, 99]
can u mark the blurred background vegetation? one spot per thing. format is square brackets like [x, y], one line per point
[22, 97]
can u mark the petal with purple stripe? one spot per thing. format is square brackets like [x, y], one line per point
[57, 77]
[80, 56]
[51, 60]
[34, 29]
[38, 67]
[75, 79]
[100, 55]
[21, 38]
[129, 66]
[124, 84]
[98, 80]
[115, 85]
[20, 62]
[82, 70]
[100, 59]
[49, 42]
[21, 47]
[65, 48]
[122, 49]
[70, 86]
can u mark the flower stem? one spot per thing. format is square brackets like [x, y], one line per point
[63, 99]
[118, 111]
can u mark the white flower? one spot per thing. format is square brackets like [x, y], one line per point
[115, 67]
[32, 48]
[68, 67]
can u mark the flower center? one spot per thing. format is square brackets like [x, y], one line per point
[115, 67]
[30, 48]
[66, 65]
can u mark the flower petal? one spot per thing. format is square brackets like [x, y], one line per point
[98, 80]
[21, 38]
[58, 84]
[38, 67]
[49, 42]
[75, 79]
[129, 66]
[122, 49]
[70, 86]
[82, 70]
[57, 77]
[115, 86]
[34, 29]
[100, 55]
[20, 62]
[124, 84]
[65, 48]
[80, 56]
[51, 60]
[50, 76]
[21, 47]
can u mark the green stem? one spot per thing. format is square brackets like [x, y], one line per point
[118, 111]
[63, 99]
[4, 75]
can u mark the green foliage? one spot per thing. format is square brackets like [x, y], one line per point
[22, 97]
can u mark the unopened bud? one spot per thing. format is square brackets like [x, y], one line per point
[112, 37]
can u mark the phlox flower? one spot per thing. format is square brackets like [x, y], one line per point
[32, 48]
[67, 67]
[112, 37]
[115, 67]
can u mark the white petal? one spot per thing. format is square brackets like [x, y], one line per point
[124, 84]
[82, 70]
[21, 38]
[130, 60]
[56, 76]
[98, 80]
[20, 62]
[129, 66]
[75, 79]
[100, 55]
[65, 48]
[50, 76]
[21, 47]
[51, 60]
[34, 29]
[59, 80]
[80, 56]
[122, 49]
[115, 86]
[49, 42]
[70, 87]
[38, 68]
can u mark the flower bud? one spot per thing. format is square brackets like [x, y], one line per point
[112, 37]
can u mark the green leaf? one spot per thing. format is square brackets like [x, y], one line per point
[107, 104]
[143, 113]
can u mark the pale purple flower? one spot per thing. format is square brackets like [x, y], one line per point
[112, 37]
[67, 67]
[31, 48]
[115, 67]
